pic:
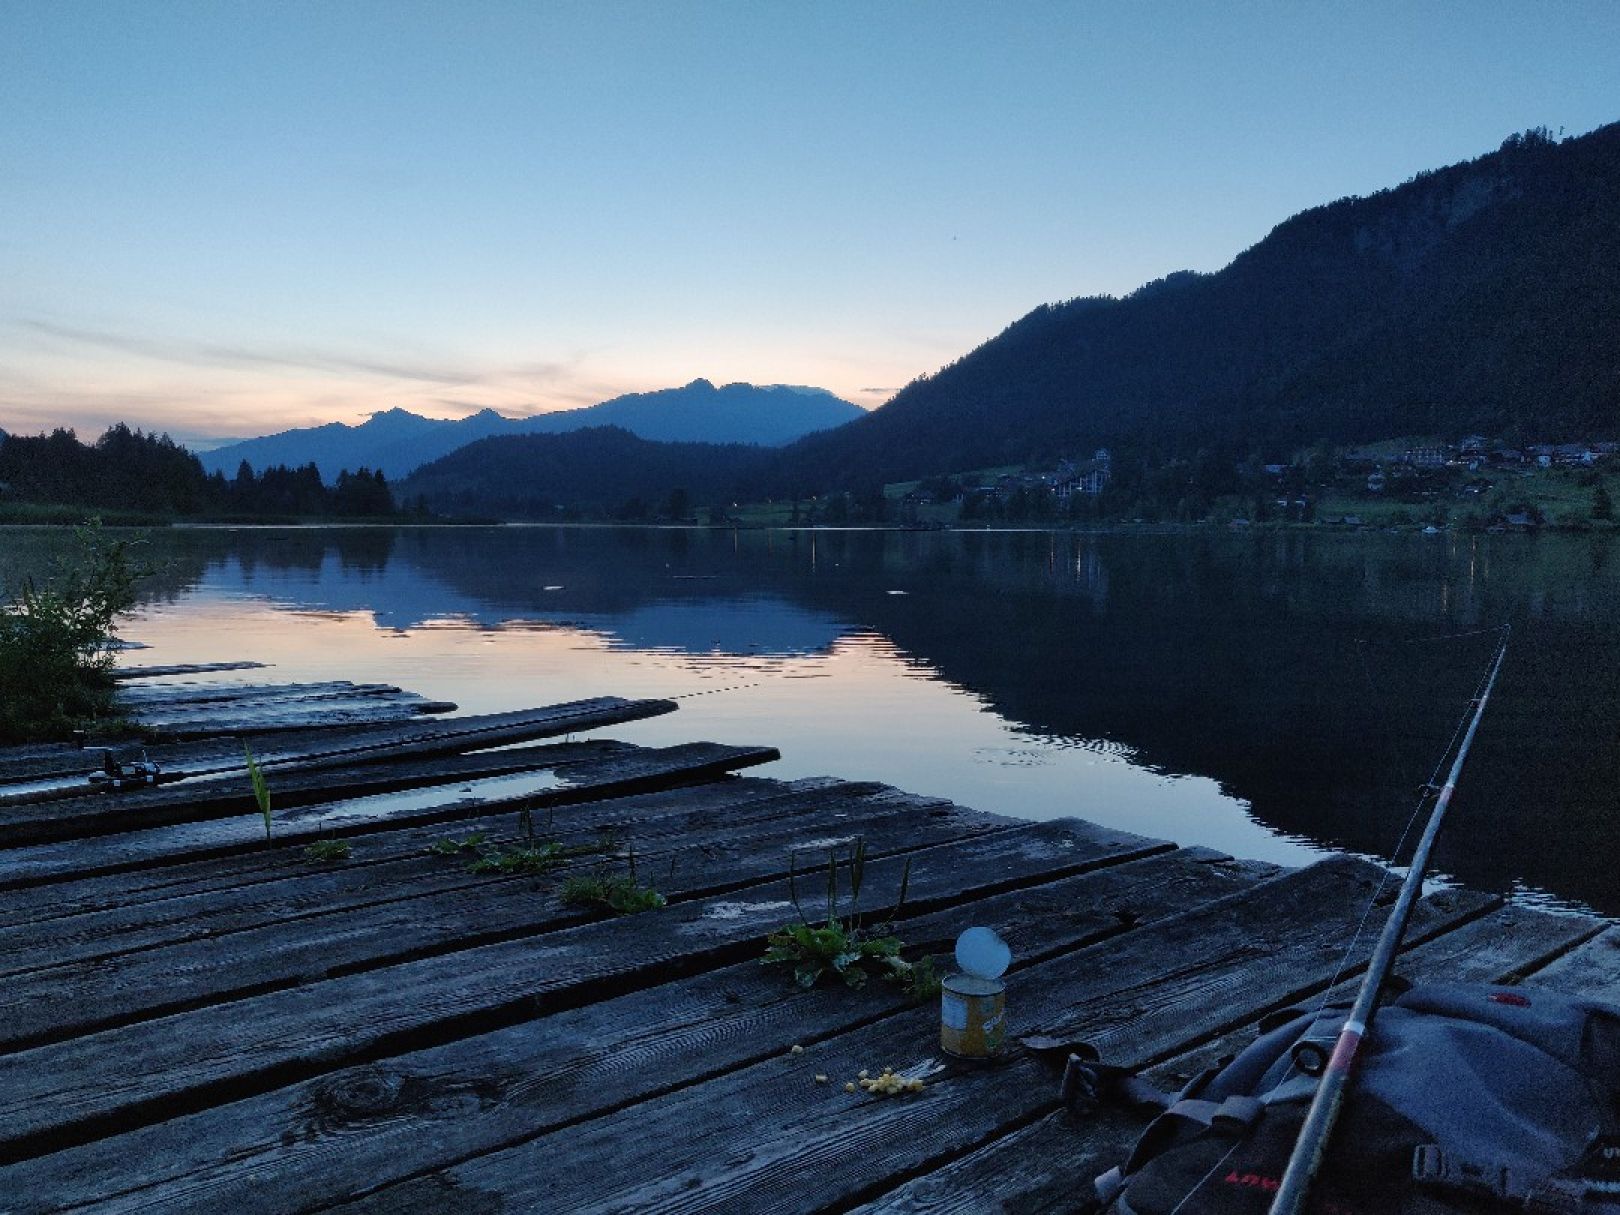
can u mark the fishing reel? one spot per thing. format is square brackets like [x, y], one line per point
[124, 771]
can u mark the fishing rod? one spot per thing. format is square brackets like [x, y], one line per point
[1331, 1090]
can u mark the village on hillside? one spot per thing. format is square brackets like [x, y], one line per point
[1476, 483]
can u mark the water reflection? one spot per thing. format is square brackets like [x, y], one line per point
[1243, 691]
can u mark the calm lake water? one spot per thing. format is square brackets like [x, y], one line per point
[1273, 695]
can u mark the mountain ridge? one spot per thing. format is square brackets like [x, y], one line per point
[398, 441]
[1482, 297]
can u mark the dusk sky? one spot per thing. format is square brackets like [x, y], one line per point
[232, 218]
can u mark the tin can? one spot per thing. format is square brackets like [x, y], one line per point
[972, 1016]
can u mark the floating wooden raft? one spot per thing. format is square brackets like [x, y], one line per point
[191, 1020]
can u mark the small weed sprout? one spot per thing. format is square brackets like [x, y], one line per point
[526, 821]
[453, 847]
[261, 789]
[534, 855]
[325, 852]
[531, 856]
[623, 895]
[921, 979]
[840, 945]
[537, 858]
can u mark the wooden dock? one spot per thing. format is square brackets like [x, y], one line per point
[193, 1019]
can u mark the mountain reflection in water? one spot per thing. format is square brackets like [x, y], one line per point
[1265, 694]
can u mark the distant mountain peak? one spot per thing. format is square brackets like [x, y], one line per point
[802, 389]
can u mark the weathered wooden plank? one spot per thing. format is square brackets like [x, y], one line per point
[32, 760]
[760, 1138]
[1042, 1168]
[585, 780]
[178, 694]
[380, 866]
[185, 668]
[334, 747]
[1593, 969]
[335, 922]
[161, 1068]
[339, 919]
[195, 713]
[39, 904]
[361, 711]
[187, 801]
[365, 1126]
[418, 739]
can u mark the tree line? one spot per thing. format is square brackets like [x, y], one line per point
[127, 470]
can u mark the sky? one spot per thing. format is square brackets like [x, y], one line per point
[227, 219]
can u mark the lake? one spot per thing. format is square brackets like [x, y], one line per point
[1276, 695]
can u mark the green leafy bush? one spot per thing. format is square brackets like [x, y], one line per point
[57, 642]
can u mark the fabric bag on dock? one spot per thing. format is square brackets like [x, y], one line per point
[1465, 1098]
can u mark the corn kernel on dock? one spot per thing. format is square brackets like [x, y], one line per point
[420, 968]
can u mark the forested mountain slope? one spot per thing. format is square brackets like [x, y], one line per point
[1480, 297]
[603, 469]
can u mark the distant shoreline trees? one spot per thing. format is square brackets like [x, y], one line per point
[128, 470]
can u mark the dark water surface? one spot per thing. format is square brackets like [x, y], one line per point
[1273, 695]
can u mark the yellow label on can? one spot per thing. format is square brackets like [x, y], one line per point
[972, 1016]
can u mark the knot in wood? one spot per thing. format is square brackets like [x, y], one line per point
[367, 1093]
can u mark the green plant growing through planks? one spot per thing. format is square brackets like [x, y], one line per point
[261, 788]
[326, 852]
[536, 858]
[923, 981]
[841, 945]
[454, 847]
[534, 854]
[622, 895]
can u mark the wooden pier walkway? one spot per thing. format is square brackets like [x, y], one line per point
[193, 1019]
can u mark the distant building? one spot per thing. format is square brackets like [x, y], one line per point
[1085, 477]
[1425, 457]
[1095, 477]
[1567, 455]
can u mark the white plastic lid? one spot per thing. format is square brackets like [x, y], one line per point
[980, 952]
